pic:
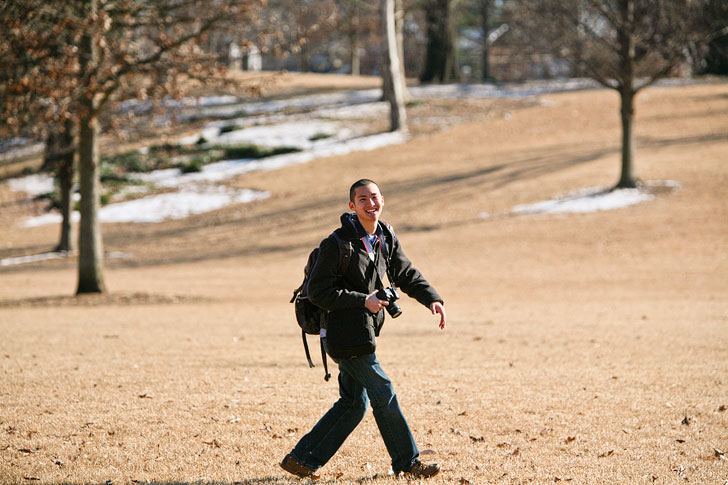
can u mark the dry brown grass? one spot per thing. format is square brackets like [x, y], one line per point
[580, 349]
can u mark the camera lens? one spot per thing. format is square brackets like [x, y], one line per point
[393, 309]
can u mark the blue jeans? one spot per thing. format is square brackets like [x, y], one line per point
[361, 379]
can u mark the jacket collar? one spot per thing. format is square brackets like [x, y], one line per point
[349, 222]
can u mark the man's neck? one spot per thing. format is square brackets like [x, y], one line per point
[369, 226]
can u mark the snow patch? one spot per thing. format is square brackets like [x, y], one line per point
[33, 258]
[177, 205]
[219, 171]
[34, 185]
[161, 207]
[296, 134]
[591, 199]
[196, 193]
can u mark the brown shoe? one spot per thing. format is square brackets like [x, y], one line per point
[291, 465]
[420, 470]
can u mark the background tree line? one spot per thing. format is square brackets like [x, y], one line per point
[66, 65]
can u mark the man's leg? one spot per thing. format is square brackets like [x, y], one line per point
[391, 422]
[317, 447]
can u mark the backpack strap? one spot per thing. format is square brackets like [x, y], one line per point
[305, 346]
[345, 252]
[327, 375]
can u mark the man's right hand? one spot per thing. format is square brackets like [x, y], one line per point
[374, 304]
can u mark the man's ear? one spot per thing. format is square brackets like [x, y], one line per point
[352, 207]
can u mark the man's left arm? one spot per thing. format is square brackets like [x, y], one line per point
[410, 280]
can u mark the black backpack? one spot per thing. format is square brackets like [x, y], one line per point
[309, 316]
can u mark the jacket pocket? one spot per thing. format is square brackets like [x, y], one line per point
[350, 333]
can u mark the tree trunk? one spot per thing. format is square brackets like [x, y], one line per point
[387, 93]
[90, 250]
[485, 56]
[625, 38]
[392, 75]
[58, 159]
[399, 14]
[441, 56]
[626, 179]
[64, 174]
[355, 42]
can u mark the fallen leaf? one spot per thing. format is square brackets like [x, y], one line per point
[545, 431]
[25, 450]
[569, 439]
[503, 445]
[464, 413]
[680, 440]
[477, 438]
[686, 420]
[719, 454]
[144, 396]
[608, 453]
[214, 443]
[516, 452]
[722, 408]
[464, 481]
[339, 475]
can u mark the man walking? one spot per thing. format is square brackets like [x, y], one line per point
[355, 304]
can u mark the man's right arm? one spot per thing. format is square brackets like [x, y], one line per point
[325, 287]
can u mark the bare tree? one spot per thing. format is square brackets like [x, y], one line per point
[441, 58]
[392, 66]
[485, 14]
[103, 52]
[387, 91]
[35, 60]
[625, 45]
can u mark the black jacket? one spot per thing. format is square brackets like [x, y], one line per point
[351, 328]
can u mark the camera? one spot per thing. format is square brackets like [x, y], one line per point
[391, 295]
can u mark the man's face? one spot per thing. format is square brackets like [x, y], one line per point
[368, 203]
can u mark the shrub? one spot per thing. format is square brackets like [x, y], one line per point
[319, 136]
[254, 151]
[194, 165]
[229, 128]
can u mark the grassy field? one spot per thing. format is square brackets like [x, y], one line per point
[586, 348]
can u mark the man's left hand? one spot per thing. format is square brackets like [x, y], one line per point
[438, 307]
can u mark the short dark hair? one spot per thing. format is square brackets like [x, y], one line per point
[357, 184]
